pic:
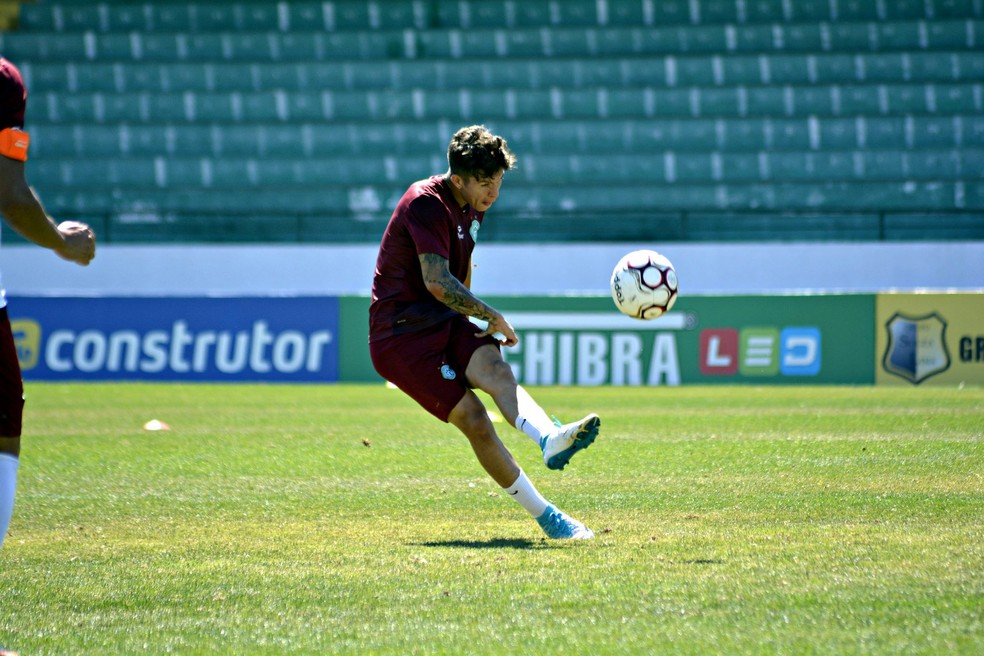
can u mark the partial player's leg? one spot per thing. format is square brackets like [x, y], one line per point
[487, 367]
[471, 418]
[8, 482]
[490, 373]
[11, 412]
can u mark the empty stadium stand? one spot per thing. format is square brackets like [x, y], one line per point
[648, 120]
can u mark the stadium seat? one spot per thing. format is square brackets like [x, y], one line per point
[809, 100]
[760, 38]
[114, 47]
[49, 47]
[949, 9]
[127, 18]
[833, 133]
[836, 68]
[657, 102]
[858, 100]
[714, 11]
[933, 132]
[788, 134]
[83, 17]
[958, 98]
[934, 67]
[36, 17]
[856, 11]
[299, 46]
[692, 167]
[308, 16]
[742, 135]
[170, 18]
[741, 166]
[746, 70]
[214, 17]
[351, 16]
[786, 69]
[157, 47]
[256, 16]
[474, 14]
[670, 12]
[58, 107]
[905, 10]
[573, 12]
[970, 66]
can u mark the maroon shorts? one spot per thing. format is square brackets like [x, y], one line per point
[429, 365]
[11, 385]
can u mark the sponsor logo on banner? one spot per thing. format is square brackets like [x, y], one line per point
[759, 352]
[205, 339]
[916, 347]
[596, 348]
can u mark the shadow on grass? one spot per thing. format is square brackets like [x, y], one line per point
[494, 543]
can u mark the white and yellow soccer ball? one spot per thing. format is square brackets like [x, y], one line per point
[644, 285]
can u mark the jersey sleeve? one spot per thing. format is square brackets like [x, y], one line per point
[427, 223]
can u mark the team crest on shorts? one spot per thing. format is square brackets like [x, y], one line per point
[448, 372]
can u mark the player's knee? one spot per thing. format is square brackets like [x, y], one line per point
[496, 377]
[470, 416]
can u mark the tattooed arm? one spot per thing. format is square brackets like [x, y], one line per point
[453, 293]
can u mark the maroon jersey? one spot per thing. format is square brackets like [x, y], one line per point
[13, 96]
[426, 220]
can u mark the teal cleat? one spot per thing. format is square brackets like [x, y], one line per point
[560, 526]
[561, 445]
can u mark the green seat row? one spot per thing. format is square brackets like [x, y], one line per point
[341, 15]
[562, 137]
[670, 225]
[479, 105]
[657, 72]
[490, 43]
[375, 202]
[661, 169]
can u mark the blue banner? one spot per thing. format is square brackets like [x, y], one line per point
[170, 339]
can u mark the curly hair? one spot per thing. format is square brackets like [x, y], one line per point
[475, 152]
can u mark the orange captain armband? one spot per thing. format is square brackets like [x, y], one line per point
[14, 143]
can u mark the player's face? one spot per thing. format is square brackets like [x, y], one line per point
[481, 193]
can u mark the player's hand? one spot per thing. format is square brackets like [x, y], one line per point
[79, 243]
[501, 329]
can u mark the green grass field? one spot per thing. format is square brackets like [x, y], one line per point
[343, 519]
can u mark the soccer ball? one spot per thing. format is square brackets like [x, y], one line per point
[644, 285]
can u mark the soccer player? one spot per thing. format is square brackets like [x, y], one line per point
[71, 240]
[420, 337]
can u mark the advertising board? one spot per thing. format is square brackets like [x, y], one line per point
[929, 339]
[193, 339]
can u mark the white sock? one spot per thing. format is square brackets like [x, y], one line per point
[531, 419]
[8, 483]
[527, 496]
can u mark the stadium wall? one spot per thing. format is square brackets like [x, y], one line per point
[704, 268]
[901, 339]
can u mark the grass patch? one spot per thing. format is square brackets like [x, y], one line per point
[345, 520]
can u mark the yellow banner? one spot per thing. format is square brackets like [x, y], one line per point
[929, 339]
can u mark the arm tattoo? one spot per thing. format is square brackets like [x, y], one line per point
[453, 292]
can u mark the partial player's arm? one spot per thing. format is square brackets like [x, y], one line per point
[453, 293]
[23, 211]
